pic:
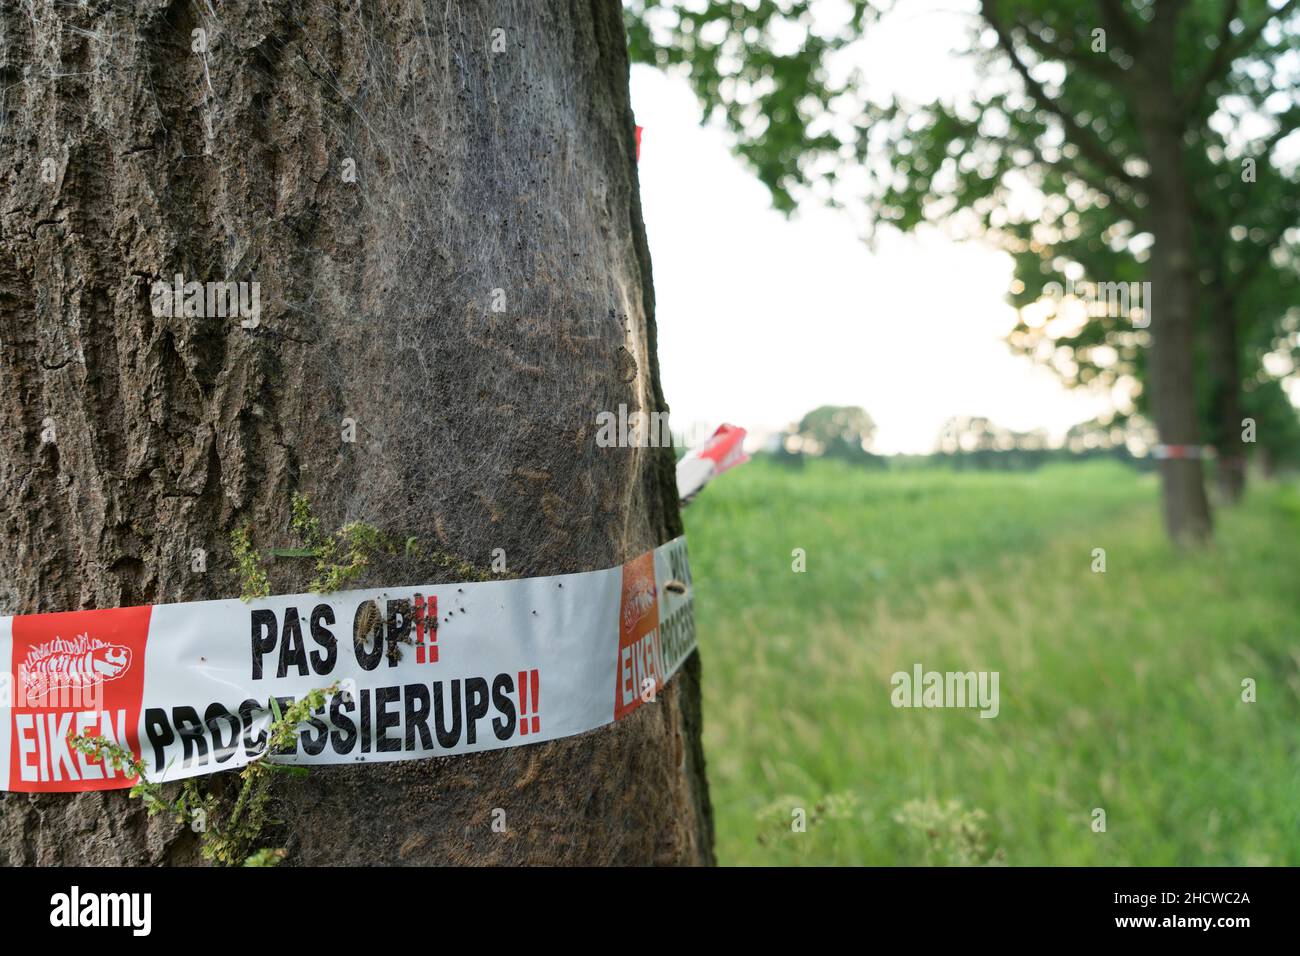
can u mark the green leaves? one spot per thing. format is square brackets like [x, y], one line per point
[761, 67]
[228, 829]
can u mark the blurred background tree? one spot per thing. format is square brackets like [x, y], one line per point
[837, 431]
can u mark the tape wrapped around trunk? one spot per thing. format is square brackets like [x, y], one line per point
[423, 671]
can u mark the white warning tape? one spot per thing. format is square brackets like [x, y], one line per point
[425, 671]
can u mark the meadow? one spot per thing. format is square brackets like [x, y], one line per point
[1120, 691]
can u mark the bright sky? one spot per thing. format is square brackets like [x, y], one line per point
[762, 319]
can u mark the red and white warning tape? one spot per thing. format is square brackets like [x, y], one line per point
[1164, 452]
[723, 449]
[425, 671]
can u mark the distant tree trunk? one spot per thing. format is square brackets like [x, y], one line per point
[1186, 507]
[1225, 374]
[493, 170]
[1264, 457]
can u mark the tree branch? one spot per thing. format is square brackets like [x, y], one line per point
[1219, 62]
[1097, 183]
[1102, 67]
[1229, 49]
[1083, 139]
[1118, 23]
[1261, 253]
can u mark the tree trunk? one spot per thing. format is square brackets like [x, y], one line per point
[1225, 373]
[470, 298]
[1173, 281]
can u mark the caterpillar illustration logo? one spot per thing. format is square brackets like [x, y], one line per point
[79, 663]
[637, 605]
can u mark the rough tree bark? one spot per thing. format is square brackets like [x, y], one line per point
[1173, 282]
[490, 168]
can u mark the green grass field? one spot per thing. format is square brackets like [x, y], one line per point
[1119, 690]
